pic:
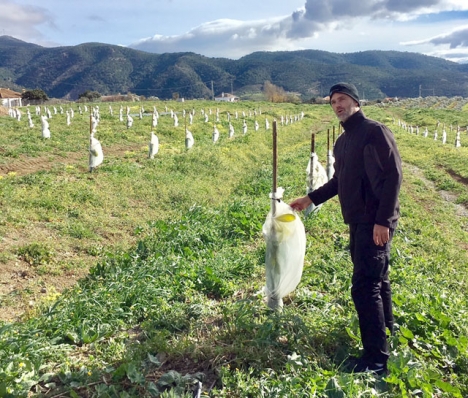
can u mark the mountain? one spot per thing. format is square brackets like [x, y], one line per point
[66, 72]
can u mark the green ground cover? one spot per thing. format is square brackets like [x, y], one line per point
[172, 265]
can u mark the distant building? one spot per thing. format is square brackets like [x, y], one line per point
[226, 98]
[10, 98]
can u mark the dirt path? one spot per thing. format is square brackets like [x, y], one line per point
[27, 165]
[450, 197]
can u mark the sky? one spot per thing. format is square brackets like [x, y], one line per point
[234, 28]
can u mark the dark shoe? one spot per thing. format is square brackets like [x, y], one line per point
[379, 369]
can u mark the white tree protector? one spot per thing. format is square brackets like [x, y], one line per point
[68, 118]
[244, 127]
[457, 140]
[189, 141]
[215, 134]
[444, 136]
[176, 121]
[94, 124]
[267, 124]
[129, 121]
[316, 177]
[231, 131]
[45, 127]
[330, 161]
[256, 125]
[154, 123]
[207, 119]
[96, 156]
[285, 238]
[153, 145]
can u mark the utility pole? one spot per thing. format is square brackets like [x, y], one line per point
[420, 90]
[232, 91]
[212, 91]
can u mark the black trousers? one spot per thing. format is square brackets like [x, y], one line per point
[371, 291]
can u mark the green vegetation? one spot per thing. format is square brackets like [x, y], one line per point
[66, 72]
[89, 95]
[36, 94]
[172, 256]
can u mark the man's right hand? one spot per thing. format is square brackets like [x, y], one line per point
[301, 203]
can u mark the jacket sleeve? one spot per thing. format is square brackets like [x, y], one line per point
[383, 168]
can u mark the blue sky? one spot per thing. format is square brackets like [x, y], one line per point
[235, 28]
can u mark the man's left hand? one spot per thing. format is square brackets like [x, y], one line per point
[381, 235]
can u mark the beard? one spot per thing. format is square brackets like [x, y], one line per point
[344, 113]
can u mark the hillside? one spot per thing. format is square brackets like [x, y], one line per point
[65, 72]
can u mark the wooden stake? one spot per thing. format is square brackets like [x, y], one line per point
[275, 167]
[328, 139]
[312, 144]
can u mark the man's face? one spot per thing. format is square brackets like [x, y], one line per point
[343, 106]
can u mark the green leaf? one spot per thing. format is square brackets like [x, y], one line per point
[406, 333]
[333, 389]
[73, 394]
[134, 374]
[154, 359]
[447, 387]
[152, 389]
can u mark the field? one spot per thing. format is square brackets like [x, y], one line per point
[144, 277]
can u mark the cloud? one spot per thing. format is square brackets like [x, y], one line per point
[452, 45]
[455, 38]
[22, 21]
[233, 38]
[229, 37]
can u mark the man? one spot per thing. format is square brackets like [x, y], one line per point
[367, 181]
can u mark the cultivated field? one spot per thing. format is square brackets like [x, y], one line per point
[143, 278]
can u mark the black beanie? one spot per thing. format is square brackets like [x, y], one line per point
[345, 88]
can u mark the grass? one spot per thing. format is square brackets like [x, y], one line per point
[176, 253]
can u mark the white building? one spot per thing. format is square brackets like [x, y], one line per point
[10, 98]
[227, 98]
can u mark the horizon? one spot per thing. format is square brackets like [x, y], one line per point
[259, 51]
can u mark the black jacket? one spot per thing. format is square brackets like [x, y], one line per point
[367, 175]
